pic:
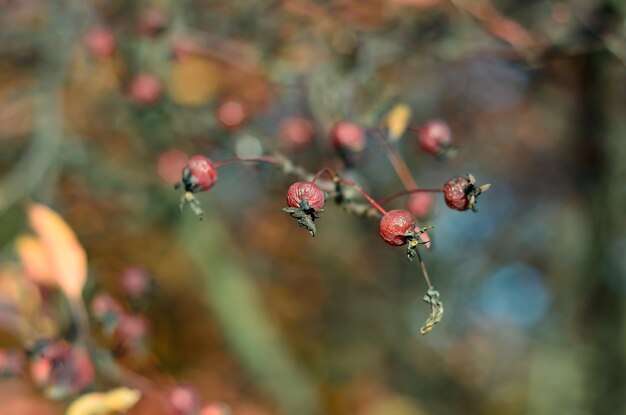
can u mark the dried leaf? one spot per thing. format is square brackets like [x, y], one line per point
[67, 257]
[397, 121]
[117, 400]
[436, 310]
[193, 80]
[35, 260]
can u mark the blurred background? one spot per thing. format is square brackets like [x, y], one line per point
[102, 102]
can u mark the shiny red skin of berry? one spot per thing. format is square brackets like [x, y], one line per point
[202, 173]
[100, 42]
[305, 191]
[347, 136]
[455, 193]
[146, 89]
[420, 204]
[433, 136]
[394, 225]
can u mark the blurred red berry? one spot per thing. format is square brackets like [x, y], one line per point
[232, 114]
[131, 333]
[152, 22]
[199, 174]
[347, 136]
[434, 136]
[420, 204]
[135, 282]
[395, 227]
[107, 311]
[305, 195]
[11, 363]
[214, 409]
[296, 132]
[146, 89]
[461, 193]
[60, 368]
[184, 400]
[100, 42]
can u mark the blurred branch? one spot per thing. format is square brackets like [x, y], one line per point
[42, 152]
[238, 308]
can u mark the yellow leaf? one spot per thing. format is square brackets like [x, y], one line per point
[397, 121]
[89, 404]
[193, 80]
[35, 262]
[115, 401]
[67, 257]
[121, 399]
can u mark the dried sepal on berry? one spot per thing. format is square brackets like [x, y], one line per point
[306, 204]
[462, 193]
[436, 310]
[416, 238]
[397, 228]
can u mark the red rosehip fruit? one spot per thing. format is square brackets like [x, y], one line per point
[396, 227]
[131, 334]
[136, 282]
[100, 42]
[199, 174]
[184, 400]
[461, 193]
[306, 203]
[60, 368]
[11, 363]
[232, 114]
[420, 204]
[152, 22]
[107, 311]
[146, 89]
[435, 137]
[347, 137]
[305, 195]
[296, 132]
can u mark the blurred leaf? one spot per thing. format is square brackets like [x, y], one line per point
[193, 80]
[35, 261]
[397, 120]
[67, 257]
[117, 400]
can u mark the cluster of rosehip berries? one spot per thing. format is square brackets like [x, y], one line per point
[305, 199]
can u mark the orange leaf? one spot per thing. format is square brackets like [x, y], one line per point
[67, 257]
[35, 260]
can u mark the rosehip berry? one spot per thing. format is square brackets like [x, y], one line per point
[136, 282]
[348, 137]
[152, 22]
[306, 203]
[184, 400]
[199, 174]
[61, 368]
[131, 334]
[100, 42]
[461, 193]
[420, 204]
[11, 363]
[396, 227]
[296, 132]
[146, 89]
[232, 114]
[107, 311]
[435, 138]
[305, 195]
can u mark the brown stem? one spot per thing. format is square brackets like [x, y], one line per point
[424, 270]
[398, 163]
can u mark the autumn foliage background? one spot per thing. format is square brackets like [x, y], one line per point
[248, 308]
